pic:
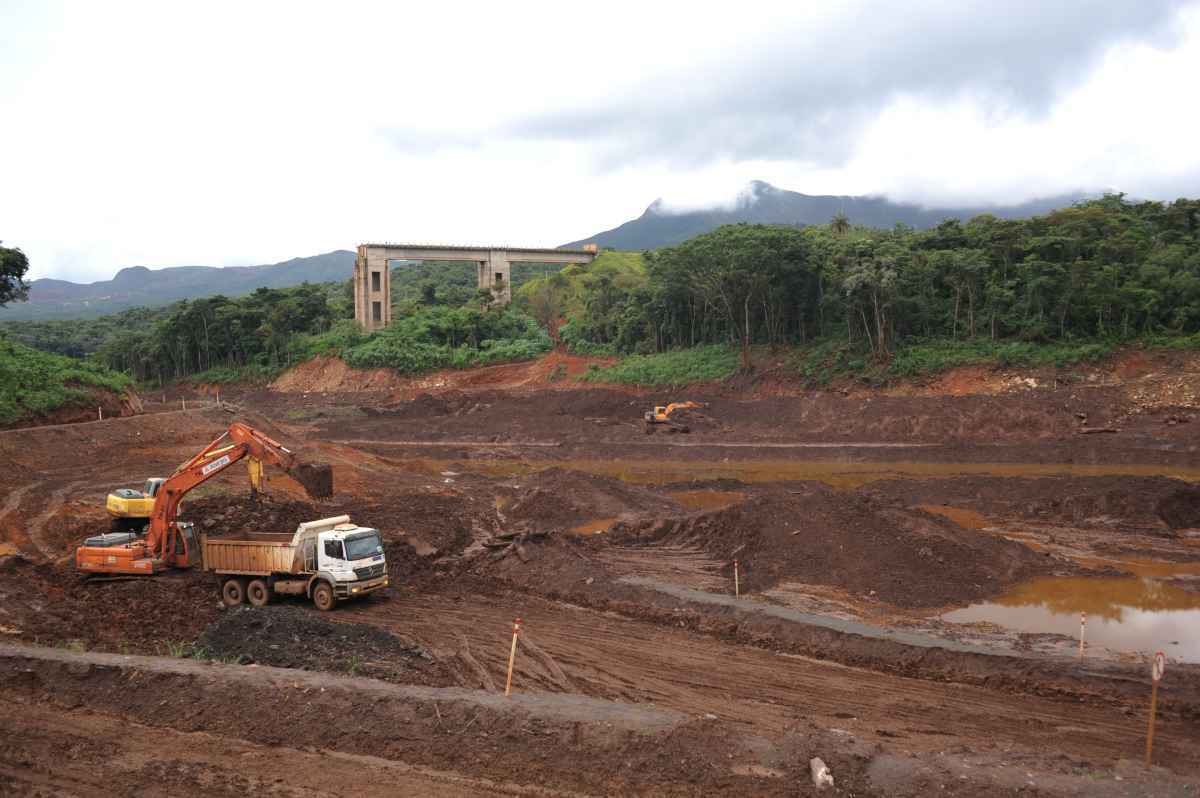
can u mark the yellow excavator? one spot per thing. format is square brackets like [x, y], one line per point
[130, 509]
[661, 416]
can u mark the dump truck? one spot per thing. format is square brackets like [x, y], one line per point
[327, 560]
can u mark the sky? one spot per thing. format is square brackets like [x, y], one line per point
[234, 133]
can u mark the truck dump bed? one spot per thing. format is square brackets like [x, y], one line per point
[249, 556]
[263, 553]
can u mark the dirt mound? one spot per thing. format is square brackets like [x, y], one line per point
[425, 404]
[52, 604]
[331, 374]
[559, 498]
[1155, 505]
[1180, 509]
[815, 535]
[291, 637]
[239, 514]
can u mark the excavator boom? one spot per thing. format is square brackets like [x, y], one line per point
[166, 543]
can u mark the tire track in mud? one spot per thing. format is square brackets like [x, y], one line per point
[606, 656]
[54, 503]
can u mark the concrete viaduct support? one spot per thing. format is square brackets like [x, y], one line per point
[372, 281]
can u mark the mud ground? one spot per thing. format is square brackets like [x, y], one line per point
[857, 519]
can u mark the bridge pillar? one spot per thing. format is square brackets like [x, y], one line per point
[372, 291]
[495, 274]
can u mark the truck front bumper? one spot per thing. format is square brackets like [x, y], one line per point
[345, 590]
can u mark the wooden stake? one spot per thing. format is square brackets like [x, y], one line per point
[100, 413]
[512, 656]
[1156, 673]
[1082, 631]
[737, 588]
[184, 403]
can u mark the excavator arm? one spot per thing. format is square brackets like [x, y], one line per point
[237, 442]
[161, 544]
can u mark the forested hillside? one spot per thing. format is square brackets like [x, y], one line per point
[138, 286]
[1066, 286]
[35, 384]
[1106, 270]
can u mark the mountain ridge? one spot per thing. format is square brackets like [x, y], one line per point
[135, 286]
[763, 203]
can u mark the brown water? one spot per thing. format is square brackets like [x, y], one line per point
[706, 499]
[594, 526]
[836, 473]
[1136, 614]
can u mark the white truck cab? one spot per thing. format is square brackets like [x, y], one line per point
[350, 556]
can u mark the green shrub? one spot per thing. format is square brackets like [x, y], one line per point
[677, 367]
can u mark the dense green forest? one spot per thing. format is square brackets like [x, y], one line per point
[1063, 287]
[33, 382]
[1104, 270]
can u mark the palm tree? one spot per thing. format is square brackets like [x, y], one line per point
[839, 224]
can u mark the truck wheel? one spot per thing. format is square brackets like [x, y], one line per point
[233, 592]
[323, 597]
[257, 593]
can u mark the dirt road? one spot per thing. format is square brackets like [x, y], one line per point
[764, 692]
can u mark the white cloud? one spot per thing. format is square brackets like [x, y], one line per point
[225, 133]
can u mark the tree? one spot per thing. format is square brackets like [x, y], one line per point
[839, 224]
[13, 266]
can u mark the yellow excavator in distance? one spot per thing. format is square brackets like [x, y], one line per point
[661, 415]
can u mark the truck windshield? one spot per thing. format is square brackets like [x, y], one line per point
[362, 545]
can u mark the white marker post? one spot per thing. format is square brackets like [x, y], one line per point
[737, 588]
[100, 413]
[1082, 631]
[1156, 674]
[512, 656]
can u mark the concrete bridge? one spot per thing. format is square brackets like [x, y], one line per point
[372, 281]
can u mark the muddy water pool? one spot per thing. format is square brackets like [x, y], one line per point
[1132, 614]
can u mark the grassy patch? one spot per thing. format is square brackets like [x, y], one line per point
[826, 361]
[678, 367]
[34, 383]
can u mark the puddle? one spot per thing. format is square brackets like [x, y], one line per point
[706, 499]
[843, 474]
[593, 527]
[967, 519]
[1130, 614]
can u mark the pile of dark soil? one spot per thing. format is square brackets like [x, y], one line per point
[1154, 505]
[316, 478]
[291, 637]
[235, 514]
[559, 498]
[425, 405]
[816, 535]
[52, 605]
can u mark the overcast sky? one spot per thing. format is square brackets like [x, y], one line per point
[221, 133]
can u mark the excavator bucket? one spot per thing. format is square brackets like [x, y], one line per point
[317, 478]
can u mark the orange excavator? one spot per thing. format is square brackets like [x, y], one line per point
[170, 543]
